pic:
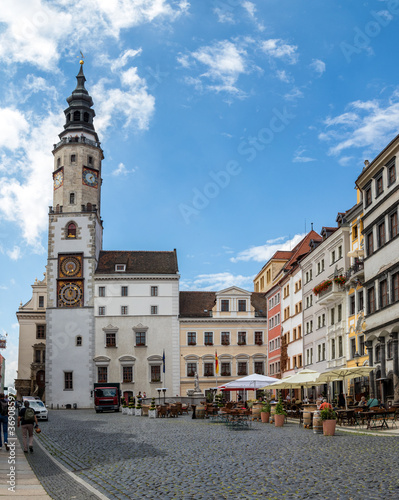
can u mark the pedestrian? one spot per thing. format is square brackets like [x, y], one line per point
[4, 420]
[325, 405]
[341, 400]
[27, 418]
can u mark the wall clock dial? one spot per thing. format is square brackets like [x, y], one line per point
[58, 179]
[70, 266]
[90, 177]
[70, 294]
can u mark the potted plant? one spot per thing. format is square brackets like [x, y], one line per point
[130, 410]
[138, 408]
[329, 418]
[152, 412]
[279, 414]
[124, 406]
[265, 412]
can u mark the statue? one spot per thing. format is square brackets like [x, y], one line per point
[196, 383]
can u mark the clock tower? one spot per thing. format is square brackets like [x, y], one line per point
[75, 241]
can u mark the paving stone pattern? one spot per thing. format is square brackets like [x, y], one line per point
[138, 458]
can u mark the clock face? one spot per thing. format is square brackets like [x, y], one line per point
[70, 266]
[58, 179]
[90, 177]
[70, 294]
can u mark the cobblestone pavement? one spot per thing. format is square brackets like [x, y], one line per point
[136, 457]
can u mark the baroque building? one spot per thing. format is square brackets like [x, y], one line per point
[31, 317]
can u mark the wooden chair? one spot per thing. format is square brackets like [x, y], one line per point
[184, 409]
[162, 411]
[173, 412]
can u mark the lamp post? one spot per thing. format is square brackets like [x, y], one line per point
[164, 392]
[159, 394]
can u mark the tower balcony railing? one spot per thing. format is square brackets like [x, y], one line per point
[82, 139]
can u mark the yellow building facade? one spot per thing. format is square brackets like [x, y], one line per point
[230, 325]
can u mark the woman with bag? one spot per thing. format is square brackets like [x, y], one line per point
[27, 418]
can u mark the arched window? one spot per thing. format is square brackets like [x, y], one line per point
[86, 117]
[76, 116]
[71, 230]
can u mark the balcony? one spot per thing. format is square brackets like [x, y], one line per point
[330, 294]
[355, 274]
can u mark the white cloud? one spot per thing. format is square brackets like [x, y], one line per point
[318, 66]
[278, 49]
[36, 32]
[25, 192]
[300, 158]
[122, 60]
[294, 94]
[224, 15]
[224, 62]
[217, 281]
[122, 170]
[13, 126]
[364, 124]
[282, 75]
[15, 253]
[263, 253]
[250, 7]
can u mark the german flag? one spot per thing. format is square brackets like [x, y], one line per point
[216, 363]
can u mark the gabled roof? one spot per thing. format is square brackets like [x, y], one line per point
[199, 304]
[140, 262]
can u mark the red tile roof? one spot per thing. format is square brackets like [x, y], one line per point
[139, 262]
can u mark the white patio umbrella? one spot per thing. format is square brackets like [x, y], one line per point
[344, 374]
[250, 382]
[304, 378]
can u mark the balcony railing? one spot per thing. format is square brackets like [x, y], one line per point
[356, 269]
[82, 139]
[330, 294]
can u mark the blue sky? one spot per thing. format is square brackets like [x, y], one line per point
[228, 126]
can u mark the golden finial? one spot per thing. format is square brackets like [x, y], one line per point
[82, 57]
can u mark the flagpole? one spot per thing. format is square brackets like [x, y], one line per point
[216, 370]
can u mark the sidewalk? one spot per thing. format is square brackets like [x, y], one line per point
[17, 480]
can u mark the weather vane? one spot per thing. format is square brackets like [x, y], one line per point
[82, 57]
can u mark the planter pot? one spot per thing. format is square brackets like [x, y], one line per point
[130, 411]
[152, 413]
[124, 410]
[265, 416]
[137, 412]
[329, 427]
[279, 420]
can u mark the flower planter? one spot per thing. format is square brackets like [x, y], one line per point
[124, 410]
[265, 417]
[329, 427]
[137, 412]
[279, 420]
[130, 411]
[152, 413]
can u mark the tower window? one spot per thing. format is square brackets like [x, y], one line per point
[71, 230]
[86, 117]
[72, 198]
[73, 158]
[79, 341]
[68, 117]
[58, 162]
[76, 116]
[90, 160]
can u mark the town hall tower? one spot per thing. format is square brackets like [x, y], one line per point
[75, 241]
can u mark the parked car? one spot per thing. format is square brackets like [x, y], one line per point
[40, 410]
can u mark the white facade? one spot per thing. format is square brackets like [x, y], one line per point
[324, 315]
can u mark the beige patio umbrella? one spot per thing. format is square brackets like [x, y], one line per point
[344, 374]
[304, 378]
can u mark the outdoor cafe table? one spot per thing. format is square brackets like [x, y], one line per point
[345, 415]
[377, 418]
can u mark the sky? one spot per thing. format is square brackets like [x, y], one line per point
[228, 126]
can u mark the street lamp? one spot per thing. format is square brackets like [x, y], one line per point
[159, 394]
[164, 389]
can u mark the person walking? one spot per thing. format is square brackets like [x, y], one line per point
[27, 418]
[4, 421]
